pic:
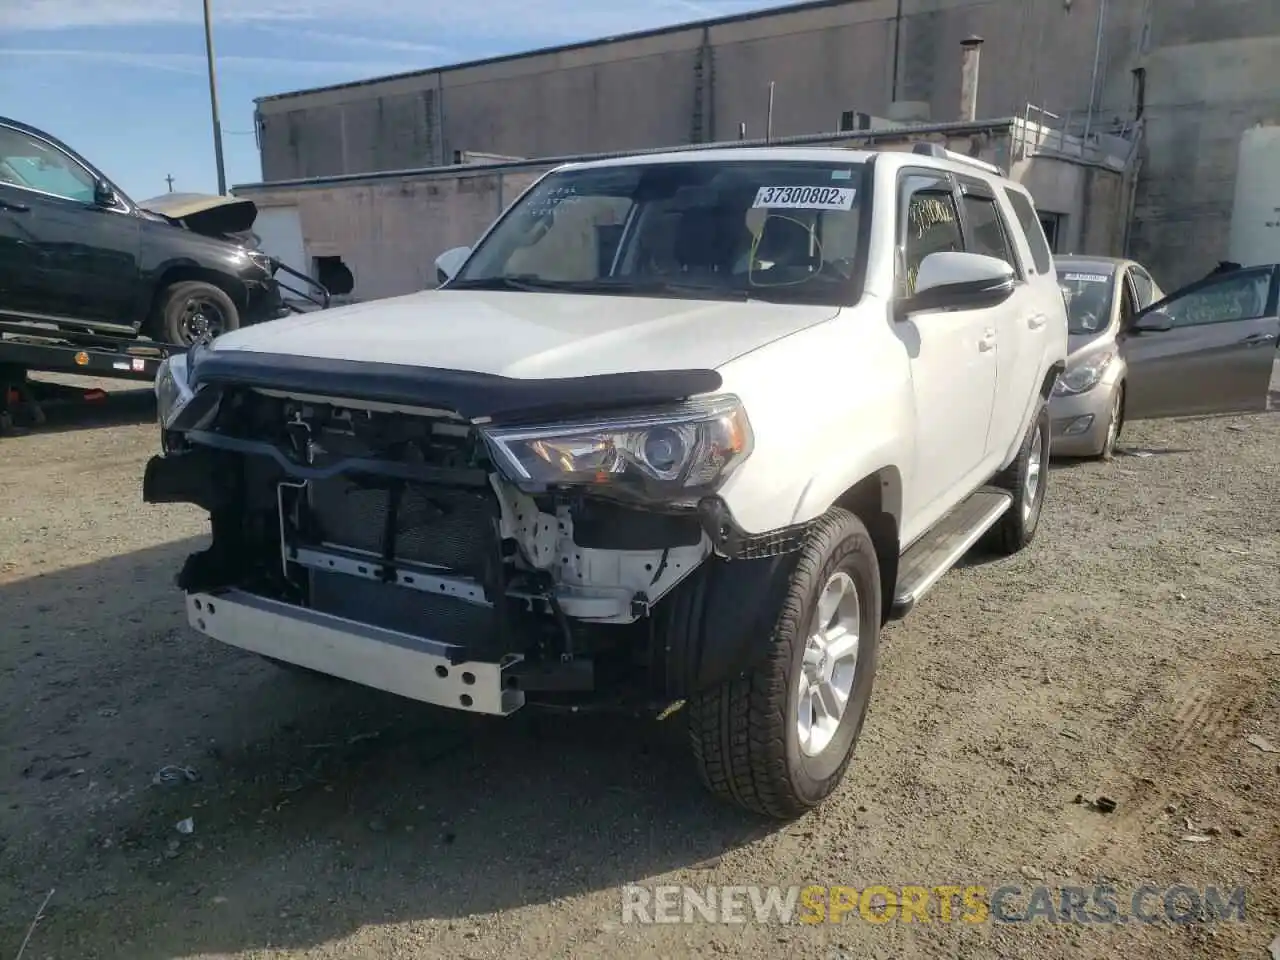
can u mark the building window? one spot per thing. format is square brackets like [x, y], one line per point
[1051, 224]
[334, 275]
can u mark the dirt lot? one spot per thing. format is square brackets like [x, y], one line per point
[1130, 653]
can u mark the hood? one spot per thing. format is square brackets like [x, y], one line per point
[531, 335]
[1080, 345]
[210, 215]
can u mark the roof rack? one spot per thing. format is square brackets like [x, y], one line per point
[939, 152]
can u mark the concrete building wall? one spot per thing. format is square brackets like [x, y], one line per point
[1209, 78]
[389, 232]
[699, 83]
[1210, 72]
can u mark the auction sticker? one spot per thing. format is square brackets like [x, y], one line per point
[805, 198]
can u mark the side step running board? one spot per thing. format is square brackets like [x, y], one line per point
[941, 548]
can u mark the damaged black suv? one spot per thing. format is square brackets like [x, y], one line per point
[77, 254]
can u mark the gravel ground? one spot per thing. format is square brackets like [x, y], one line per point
[1131, 653]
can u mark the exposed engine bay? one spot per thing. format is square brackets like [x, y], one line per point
[222, 217]
[403, 523]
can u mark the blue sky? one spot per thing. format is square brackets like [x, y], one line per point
[124, 81]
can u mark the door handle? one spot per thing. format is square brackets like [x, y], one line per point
[988, 341]
[14, 207]
[1258, 339]
[1038, 321]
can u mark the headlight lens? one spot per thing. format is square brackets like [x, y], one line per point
[172, 389]
[668, 455]
[260, 259]
[1085, 377]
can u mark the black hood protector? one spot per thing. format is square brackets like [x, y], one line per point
[472, 396]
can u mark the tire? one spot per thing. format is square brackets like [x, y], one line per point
[1114, 425]
[176, 324]
[1017, 528]
[745, 733]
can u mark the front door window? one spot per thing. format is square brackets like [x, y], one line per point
[28, 162]
[1237, 296]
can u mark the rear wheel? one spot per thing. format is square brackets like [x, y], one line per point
[778, 739]
[193, 311]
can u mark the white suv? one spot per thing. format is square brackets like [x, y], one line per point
[683, 429]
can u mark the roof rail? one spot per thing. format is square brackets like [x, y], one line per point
[939, 152]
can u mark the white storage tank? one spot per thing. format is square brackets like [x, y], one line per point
[1255, 218]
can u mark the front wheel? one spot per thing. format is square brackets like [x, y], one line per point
[778, 739]
[194, 311]
[1108, 450]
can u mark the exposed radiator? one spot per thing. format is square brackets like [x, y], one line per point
[439, 526]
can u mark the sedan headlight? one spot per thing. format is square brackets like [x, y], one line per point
[673, 455]
[173, 391]
[1086, 376]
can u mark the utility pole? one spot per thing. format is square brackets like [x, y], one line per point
[169, 180]
[213, 100]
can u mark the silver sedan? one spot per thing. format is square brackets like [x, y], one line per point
[1087, 406]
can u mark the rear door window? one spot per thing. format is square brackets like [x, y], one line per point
[988, 232]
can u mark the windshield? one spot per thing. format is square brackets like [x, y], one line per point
[733, 229]
[1088, 295]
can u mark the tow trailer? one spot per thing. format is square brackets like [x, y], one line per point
[31, 347]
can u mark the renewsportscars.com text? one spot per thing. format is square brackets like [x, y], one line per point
[941, 903]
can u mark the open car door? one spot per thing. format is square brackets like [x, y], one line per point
[1205, 348]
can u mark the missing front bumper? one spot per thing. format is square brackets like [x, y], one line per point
[413, 667]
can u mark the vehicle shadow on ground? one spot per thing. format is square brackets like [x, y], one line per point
[116, 408]
[318, 808]
[1064, 462]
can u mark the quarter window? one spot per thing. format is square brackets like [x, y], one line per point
[1142, 287]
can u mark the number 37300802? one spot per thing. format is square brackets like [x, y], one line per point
[805, 198]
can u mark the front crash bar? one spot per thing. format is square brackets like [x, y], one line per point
[414, 667]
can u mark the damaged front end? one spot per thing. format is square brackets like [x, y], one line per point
[457, 538]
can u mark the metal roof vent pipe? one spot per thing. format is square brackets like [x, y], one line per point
[971, 54]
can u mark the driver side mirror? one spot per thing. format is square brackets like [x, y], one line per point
[104, 195]
[1153, 321]
[959, 281]
[450, 262]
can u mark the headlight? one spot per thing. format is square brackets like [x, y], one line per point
[172, 389]
[260, 259]
[670, 455]
[1085, 377]
[256, 257]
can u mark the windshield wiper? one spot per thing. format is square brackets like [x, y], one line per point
[524, 283]
[618, 285]
[627, 285]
